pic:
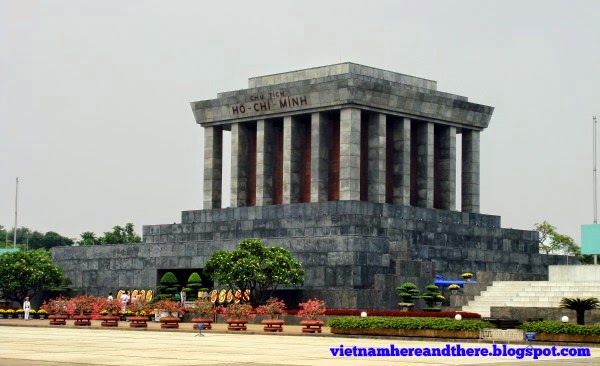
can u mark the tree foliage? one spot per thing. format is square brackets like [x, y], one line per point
[168, 286]
[408, 291]
[255, 267]
[26, 273]
[194, 284]
[553, 242]
[119, 235]
[34, 239]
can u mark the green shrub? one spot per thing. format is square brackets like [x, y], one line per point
[194, 284]
[554, 327]
[377, 322]
[408, 292]
[169, 285]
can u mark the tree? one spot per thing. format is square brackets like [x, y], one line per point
[580, 306]
[169, 285]
[255, 267]
[26, 273]
[553, 242]
[88, 238]
[119, 235]
[194, 284]
[408, 291]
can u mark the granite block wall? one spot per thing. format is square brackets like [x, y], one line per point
[354, 253]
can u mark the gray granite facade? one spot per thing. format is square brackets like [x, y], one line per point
[354, 253]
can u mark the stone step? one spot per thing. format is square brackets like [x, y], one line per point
[530, 294]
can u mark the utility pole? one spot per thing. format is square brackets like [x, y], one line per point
[16, 206]
[595, 180]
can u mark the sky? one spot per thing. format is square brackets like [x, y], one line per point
[95, 117]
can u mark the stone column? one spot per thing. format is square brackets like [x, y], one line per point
[291, 160]
[470, 171]
[239, 165]
[350, 154]
[264, 163]
[401, 159]
[446, 178]
[376, 166]
[319, 158]
[425, 164]
[213, 166]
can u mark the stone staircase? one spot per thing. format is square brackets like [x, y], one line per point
[543, 294]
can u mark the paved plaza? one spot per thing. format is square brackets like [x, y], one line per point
[34, 343]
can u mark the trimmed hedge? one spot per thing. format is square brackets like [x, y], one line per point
[412, 314]
[554, 327]
[376, 322]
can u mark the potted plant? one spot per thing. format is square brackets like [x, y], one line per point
[56, 310]
[432, 296]
[236, 315]
[310, 310]
[32, 313]
[272, 308]
[110, 313]
[202, 311]
[2, 313]
[139, 314]
[41, 313]
[467, 276]
[407, 292]
[453, 288]
[80, 309]
[169, 313]
[20, 313]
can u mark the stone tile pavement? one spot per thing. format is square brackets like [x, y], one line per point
[28, 343]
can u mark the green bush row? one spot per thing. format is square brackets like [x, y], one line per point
[554, 327]
[378, 322]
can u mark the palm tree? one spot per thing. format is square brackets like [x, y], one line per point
[580, 306]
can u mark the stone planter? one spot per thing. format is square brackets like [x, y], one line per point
[109, 320]
[20, 315]
[83, 320]
[545, 337]
[236, 324]
[453, 292]
[138, 321]
[42, 316]
[424, 333]
[58, 319]
[311, 326]
[169, 322]
[206, 321]
[406, 306]
[273, 325]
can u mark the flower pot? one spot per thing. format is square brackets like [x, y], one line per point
[453, 292]
[20, 315]
[169, 322]
[42, 316]
[58, 319]
[83, 320]
[109, 320]
[138, 321]
[273, 325]
[311, 326]
[207, 322]
[236, 324]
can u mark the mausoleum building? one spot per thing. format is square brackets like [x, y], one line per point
[351, 168]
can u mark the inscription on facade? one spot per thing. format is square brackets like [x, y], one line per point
[271, 101]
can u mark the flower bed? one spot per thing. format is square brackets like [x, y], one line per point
[562, 332]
